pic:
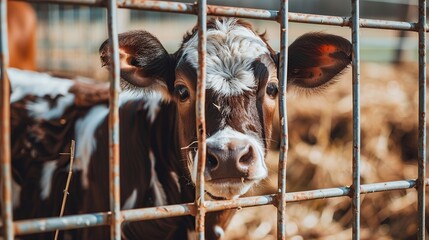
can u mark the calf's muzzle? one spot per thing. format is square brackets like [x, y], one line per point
[236, 159]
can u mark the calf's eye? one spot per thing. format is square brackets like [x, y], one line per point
[272, 89]
[181, 92]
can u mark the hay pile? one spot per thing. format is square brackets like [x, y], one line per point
[320, 129]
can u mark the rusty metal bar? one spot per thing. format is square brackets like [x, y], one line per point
[94, 3]
[114, 179]
[5, 154]
[23, 227]
[201, 120]
[347, 21]
[214, 10]
[356, 120]
[283, 63]
[421, 187]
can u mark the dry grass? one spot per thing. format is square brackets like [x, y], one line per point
[320, 130]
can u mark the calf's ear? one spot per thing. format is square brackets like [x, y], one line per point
[144, 62]
[316, 58]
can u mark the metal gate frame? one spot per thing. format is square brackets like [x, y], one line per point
[115, 217]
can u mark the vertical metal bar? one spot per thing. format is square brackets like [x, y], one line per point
[200, 116]
[356, 120]
[114, 181]
[421, 186]
[283, 63]
[5, 155]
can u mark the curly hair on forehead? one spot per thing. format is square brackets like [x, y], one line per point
[212, 23]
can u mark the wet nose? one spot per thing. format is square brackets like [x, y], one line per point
[232, 160]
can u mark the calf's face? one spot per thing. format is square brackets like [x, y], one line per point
[241, 91]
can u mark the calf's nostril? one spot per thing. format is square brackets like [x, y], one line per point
[211, 162]
[247, 158]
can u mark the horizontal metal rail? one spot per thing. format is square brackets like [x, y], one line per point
[22, 227]
[215, 10]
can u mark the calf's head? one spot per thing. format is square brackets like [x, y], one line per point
[241, 91]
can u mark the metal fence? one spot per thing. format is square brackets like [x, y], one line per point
[200, 207]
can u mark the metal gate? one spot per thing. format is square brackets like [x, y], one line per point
[200, 207]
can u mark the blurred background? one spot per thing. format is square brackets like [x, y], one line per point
[69, 36]
[320, 124]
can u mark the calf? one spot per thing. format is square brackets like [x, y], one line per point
[157, 130]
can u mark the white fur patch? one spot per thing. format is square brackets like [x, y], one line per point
[194, 167]
[160, 197]
[152, 103]
[16, 194]
[131, 201]
[85, 141]
[220, 233]
[176, 180]
[231, 49]
[41, 109]
[46, 179]
[38, 84]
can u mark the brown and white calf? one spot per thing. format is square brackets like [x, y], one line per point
[157, 131]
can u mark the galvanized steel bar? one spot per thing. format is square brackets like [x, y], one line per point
[201, 120]
[23, 227]
[5, 154]
[421, 187]
[283, 63]
[114, 180]
[356, 120]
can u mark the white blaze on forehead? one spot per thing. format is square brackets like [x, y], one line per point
[231, 49]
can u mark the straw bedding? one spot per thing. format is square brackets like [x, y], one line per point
[320, 153]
